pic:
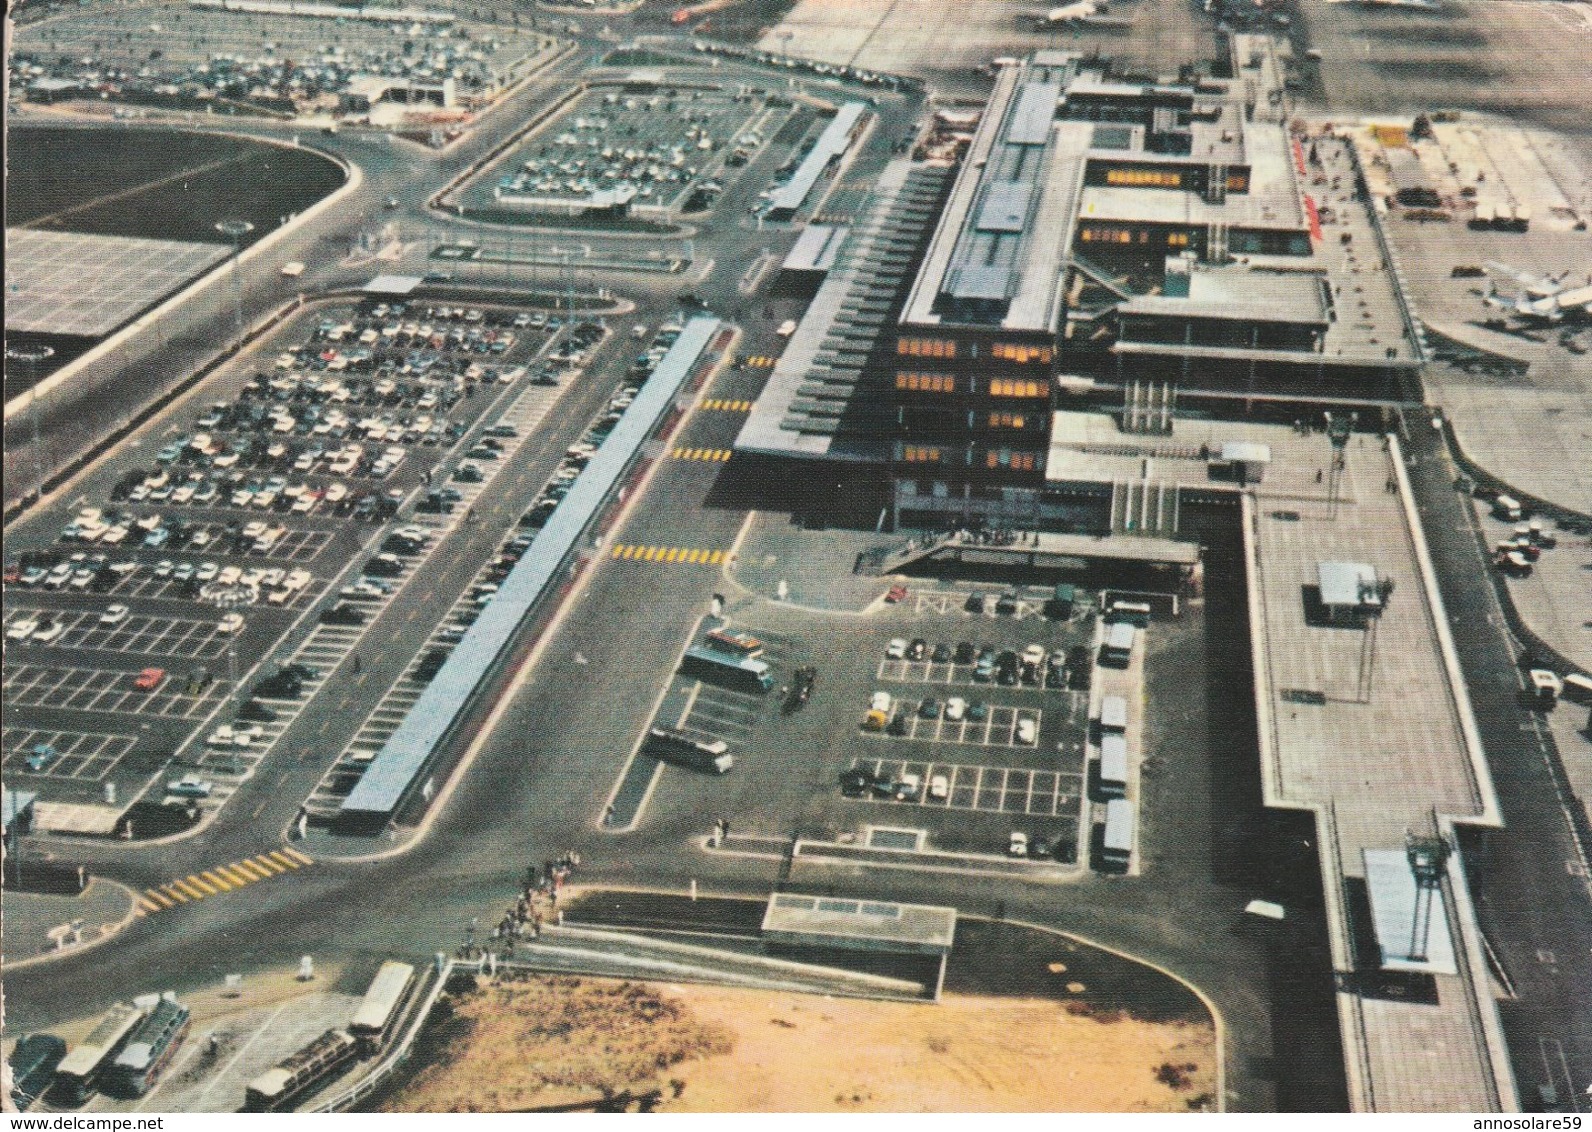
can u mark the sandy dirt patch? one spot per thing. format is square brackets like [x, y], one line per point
[554, 1041]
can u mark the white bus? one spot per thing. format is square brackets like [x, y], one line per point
[379, 1009]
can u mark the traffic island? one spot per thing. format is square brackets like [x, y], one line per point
[42, 926]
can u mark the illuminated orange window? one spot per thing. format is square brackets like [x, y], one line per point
[926, 382]
[925, 348]
[1007, 420]
[1014, 352]
[917, 454]
[1012, 387]
[1016, 461]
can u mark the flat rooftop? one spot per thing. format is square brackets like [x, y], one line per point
[1236, 292]
[1377, 758]
[869, 924]
[86, 286]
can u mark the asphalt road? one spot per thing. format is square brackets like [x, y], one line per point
[1532, 905]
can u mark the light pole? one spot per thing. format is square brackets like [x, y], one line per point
[228, 599]
[32, 356]
[235, 230]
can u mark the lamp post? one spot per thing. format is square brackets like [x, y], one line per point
[32, 356]
[228, 599]
[235, 230]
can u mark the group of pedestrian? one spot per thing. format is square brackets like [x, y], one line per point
[535, 905]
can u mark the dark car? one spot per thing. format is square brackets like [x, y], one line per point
[859, 782]
[897, 724]
[282, 686]
[1006, 604]
[801, 688]
[929, 709]
[431, 663]
[256, 712]
[401, 544]
[1006, 667]
[918, 649]
[384, 566]
[975, 603]
[942, 653]
[342, 614]
[964, 652]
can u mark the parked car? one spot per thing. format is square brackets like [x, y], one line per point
[41, 756]
[149, 679]
[189, 786]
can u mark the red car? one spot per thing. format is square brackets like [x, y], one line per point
[149, 679]
[897, 593]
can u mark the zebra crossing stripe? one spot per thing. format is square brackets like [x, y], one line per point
[224, 886]
[270, 866]
[297, 856]
[250, 870]
[281, 859]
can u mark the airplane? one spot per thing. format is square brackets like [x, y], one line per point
[1072, 13]
[1541, 299]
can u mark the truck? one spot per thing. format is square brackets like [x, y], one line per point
[1116, 845]
[293, 270]
[1117, 649]
[710, 756]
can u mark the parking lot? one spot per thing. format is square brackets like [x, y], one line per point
[64, 754]
[658, 153]
[106, 690]
[926, 721]
[156, 636]
[234, 54]
[991, 789]
[344, 414]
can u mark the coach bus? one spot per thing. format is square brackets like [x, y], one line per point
[80, 1070]
[744, 674]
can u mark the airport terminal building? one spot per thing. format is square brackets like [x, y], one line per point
[1101, 237]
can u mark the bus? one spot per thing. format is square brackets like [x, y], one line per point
[734, 642]
[1135, 613]
[677, 747]
[744, 674]
[80, 1070]
[1117, 845]
[150, 1049]
[1113, 713]
[1113, 766]
[379, 1010]
[1117, 650]
[33, 1064]
[299, 1073]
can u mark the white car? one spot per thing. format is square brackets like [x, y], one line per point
[955, 709]
[908, 788]
[23, 629]
[189, 786]
[896, 649]
[880, 702]
[939, 787]
[44, 634]
[207, 572]
[113, 615]
[1027, 731]
[1034, 655]
[1018, 845]
[231, 623]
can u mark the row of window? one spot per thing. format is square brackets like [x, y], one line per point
[926, 382]
[1007, 420]
[926, 347]
[1109, 234]
[1016, 387]
[945, 383]
[1160, 178]
[1012, 352]
[1011, 459]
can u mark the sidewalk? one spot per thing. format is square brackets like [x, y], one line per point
[104, 908]
[817, 566]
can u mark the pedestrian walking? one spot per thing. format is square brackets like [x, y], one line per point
[356, 664]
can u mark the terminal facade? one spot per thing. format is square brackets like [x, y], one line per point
[1101, 236]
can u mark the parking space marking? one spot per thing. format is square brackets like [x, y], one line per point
[998, 728]
[100, 690]
[944, 672]
[79, 755]
[947, 602]
[988, 789]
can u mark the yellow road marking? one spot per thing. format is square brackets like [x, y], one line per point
[283, 860]
[271, 867]
[251, 870]
[223, 885]
[192, 891]
[297, 856]
[232, 873]
[158, 898]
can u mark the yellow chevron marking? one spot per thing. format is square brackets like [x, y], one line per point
[297, 856]
[283, 860]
